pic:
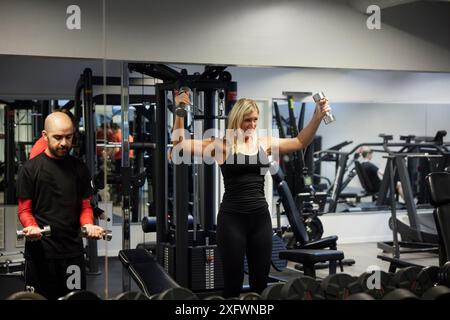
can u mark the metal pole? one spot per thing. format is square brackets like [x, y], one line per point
[89, 129]
[160, 165]
[125, 170]
[393, 209]
[10, 151]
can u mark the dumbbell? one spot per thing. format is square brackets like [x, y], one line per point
[437, 293]
[444, 274]
[215, 297]
[376, 290]
[250, 296]
[406, 278]
[430, 283]
[178, 293]
[339, 286]
[183, 110]
[329, 117]
[272, 292]
[107, 234]
[302, 288]
[45, 231]
[131, 295]
[400, 294]
[80, 295]
[26, 295]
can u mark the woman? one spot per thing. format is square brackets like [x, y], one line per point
[243, 223]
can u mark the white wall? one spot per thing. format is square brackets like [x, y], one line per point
[306, 33]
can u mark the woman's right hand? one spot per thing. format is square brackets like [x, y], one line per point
[182, 99]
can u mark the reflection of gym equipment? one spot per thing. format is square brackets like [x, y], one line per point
[439, 184]
[310, 254]
[189, 257]
[407, 146]
[418, 231]
[299, 165]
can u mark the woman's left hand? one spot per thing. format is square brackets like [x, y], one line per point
[322, 107]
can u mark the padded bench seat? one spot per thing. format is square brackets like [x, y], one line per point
[309, 257]
[148, 274]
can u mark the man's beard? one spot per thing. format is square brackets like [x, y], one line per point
[59, 152]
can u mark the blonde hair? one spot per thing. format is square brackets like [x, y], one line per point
[241, 108]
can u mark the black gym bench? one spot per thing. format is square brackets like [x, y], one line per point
[148, 274]
[310, 254]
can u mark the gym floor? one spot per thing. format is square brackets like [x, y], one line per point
[365, 255]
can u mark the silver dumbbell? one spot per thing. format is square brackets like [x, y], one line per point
[182, 110]
[45, 232]
[329, 117]
[107, 234]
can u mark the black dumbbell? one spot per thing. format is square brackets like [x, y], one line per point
[376, 290]
[419, 280]
[45, 231]
[178, 293]
[407, 279]
[360, 296]
[437, 293]
[26, 295]
[444, 274]
[214, 298]
[339, 286]
[272, 292]
[250, 296]
[107, 234]
[131, 295]
[302, 288]
[400, 294]
[80, 295]
[426, 279]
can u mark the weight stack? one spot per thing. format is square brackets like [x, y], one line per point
[200, 237]
[166, 257]
[205, 268]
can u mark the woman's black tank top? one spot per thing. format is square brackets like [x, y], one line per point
[244, 183]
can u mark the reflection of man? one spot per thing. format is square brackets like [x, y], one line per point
[373, 172]
[54, 189]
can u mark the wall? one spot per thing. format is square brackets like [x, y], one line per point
[307, 33]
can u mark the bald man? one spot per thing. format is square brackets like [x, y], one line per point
[54, 189]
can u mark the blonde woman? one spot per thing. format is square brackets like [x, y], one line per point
[243, 223]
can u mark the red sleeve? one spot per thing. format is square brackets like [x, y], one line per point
[38, 147]
[86, 215]
[25, 213]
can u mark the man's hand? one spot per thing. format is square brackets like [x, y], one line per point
[93, 231]
[32, 233]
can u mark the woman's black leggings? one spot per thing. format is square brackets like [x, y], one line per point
[239, 235]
